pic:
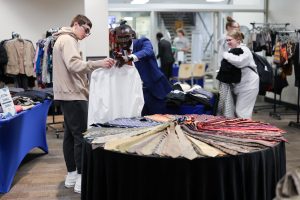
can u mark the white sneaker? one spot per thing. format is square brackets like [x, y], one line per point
[77, 187]
[71, 179]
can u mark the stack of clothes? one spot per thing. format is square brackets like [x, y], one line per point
[26, 99]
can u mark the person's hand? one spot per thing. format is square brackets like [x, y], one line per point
[121, 60]
[105, 63]
[108, 62]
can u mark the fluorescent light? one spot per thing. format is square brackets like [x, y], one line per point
[128, 18]
[139, 1]
[214, 0]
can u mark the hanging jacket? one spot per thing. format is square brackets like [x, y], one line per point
[228, 72]
[3, 61]
[297, 64]
[20, 55]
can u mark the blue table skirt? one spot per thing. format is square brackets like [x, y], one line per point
[186, 109]
[193, 109]
[18, 136]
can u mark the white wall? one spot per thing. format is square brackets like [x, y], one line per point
[286, 12]
[259, 3]
[32, 18]
[245, 18]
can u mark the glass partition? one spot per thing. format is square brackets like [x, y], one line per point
[139, 21]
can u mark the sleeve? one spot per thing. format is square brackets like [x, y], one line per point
[159, 50]
[32, 51]
[239, 61]
[134, 57]
[145, 51]
[3, 55]
[72, 58]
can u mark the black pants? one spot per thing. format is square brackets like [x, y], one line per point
[167, 68]
[75, 123]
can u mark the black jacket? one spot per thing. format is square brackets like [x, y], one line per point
[3, 61]
[165, 52]
[229, 73]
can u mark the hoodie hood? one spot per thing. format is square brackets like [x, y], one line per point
[64, 31]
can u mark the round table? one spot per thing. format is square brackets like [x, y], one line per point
[109, 175]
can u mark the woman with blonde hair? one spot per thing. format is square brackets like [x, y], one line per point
[246, 91]
[231, 25]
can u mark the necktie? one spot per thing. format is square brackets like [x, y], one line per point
[171, 147]
[149, 148]
[150, 143]
[187, 149]
[205, 149]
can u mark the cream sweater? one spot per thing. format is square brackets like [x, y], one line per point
[70, 81]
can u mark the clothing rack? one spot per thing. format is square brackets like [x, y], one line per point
[54, 105]
[51, 31]
[15, 35]
[297, 123]
[269, 106]
[286, 31]
[50, 125]
[276, 114]
[269, 24]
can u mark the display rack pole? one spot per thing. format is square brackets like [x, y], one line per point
[50, 125]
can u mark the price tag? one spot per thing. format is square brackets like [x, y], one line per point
[6, 101]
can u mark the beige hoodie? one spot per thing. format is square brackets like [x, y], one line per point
[70, 80]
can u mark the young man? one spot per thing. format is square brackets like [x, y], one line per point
[70, 87]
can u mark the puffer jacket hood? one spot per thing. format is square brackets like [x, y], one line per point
[65, 31]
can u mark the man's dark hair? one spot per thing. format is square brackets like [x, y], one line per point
[159, 35]
[81, 20]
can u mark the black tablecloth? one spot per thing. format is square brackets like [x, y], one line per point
[111, 175]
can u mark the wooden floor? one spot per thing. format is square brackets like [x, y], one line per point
[41, 176]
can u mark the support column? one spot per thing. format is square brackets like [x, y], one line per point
[215, 47]
[266, 8]
[97, 43]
